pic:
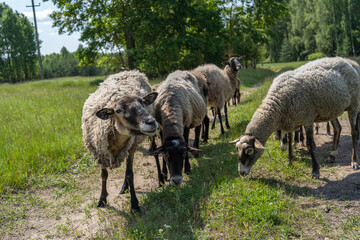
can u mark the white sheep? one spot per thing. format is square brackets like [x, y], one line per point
[318, 91]
[178, 107]
[116, 118]
[222, 85]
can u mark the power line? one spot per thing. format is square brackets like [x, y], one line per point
[37, 38]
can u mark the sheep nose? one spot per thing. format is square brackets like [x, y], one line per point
[150, 121]
[176, 180]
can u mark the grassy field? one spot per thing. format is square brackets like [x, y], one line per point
[41, 147]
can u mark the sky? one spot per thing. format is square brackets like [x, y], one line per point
[52, 42]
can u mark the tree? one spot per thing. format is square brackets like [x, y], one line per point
[17, 46]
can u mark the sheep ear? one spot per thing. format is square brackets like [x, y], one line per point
[105, 113]
[156, 151]
[235, 140]
[150, 98]
[242, 57]
[193, 150]
[224, 63]
[258, 145]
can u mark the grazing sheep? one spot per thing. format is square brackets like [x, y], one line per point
[222, 85]
[115, 120]
[178, 108]
[318, 91]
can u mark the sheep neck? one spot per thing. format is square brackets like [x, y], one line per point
[172, 123]
[263, 123]
[232, 75]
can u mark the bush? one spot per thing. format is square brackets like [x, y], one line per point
[315, 56]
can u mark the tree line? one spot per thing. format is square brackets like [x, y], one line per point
[316, 28]
[159, 36]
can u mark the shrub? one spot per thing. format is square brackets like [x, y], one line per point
[315, 56]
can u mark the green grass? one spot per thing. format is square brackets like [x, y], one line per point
[281, 67]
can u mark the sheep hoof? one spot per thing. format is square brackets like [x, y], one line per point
[102, 202]
[135, 210]
[316, 175]
[330, 159]
[124, 189]
[355, 165]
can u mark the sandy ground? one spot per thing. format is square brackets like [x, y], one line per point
[74, 214]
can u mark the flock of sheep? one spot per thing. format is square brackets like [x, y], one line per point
[124, 110]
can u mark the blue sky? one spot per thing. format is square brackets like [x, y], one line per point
[52, 42]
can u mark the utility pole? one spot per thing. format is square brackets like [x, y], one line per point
[37, 38]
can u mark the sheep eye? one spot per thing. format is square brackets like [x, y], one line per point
[119, 111]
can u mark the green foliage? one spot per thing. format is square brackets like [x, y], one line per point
[158, 37]
[327, 26]
[66, 64]
[315, 56]
[17, 46]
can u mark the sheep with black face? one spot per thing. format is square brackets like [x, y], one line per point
[178, 107]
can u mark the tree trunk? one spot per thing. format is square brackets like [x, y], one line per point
[351, 35]
[130, 46]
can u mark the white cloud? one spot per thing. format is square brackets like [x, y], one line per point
[40, 15]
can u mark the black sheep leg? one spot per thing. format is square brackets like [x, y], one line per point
[160, 175]
[186, 138]
[205, 128]
[226, 118]
[221, 124]
[102, 201]
[310, 144]
[197, 139]
[130, 179]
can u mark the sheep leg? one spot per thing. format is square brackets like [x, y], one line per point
[197, 139]
[336, 138]
[206, 123]
[125, 186]
[354, 134]
[301, 135]
[186, 138]
[328, 128]
[290, 152]
[226, 118]
[310, 144]
[164, 171]
[214, 120]
[102, 201]
[238, 95]
[160, 175]
[130, 179]
[221, 124]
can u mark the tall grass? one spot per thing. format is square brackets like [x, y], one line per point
[41, 128]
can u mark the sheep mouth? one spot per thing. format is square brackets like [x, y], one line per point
[149, 132]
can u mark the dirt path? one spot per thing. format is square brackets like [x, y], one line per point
[68, 210]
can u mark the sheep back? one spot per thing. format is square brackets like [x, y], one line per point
[179, 102]
[99, 135]
[315, 92]
[220, 87]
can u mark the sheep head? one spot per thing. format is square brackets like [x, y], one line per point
[234, 63]
[130, 115]
[174, 151]
[250, 150]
